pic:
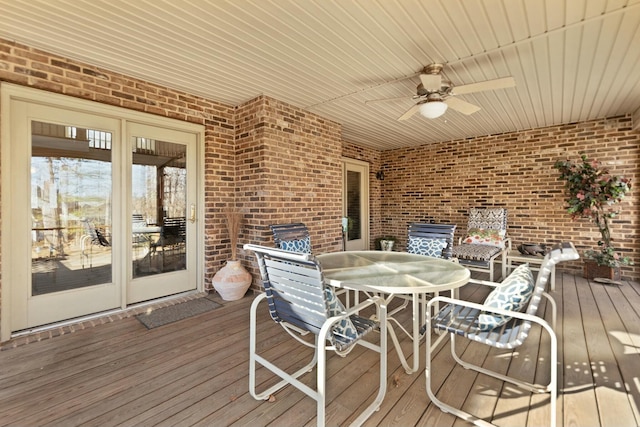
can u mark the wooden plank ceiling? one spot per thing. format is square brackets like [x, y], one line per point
[572, 60]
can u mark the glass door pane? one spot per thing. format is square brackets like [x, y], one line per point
[354, 198]
[356, 204]
[70, 208]
[162, 212]
[159, 185]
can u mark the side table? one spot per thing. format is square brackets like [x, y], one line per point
[534, 262]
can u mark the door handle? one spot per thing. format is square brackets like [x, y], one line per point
[192, 215]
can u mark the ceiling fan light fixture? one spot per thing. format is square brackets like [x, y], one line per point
[433, 109]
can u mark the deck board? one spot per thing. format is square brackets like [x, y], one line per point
[621, 330]
[195, 372]
[579, 398]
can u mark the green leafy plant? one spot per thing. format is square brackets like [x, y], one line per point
[592, 193]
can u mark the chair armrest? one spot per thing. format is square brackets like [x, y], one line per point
[487, 309]
[484, 283]
[381, 313]
[554, 308]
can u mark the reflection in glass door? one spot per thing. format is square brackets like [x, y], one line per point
[162, 196]
[354, 197]
[70, 207]
[159, 207]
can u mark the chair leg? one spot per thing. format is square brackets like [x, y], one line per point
[534, 388]
[382, 350]
[444, 407]
[382, 389]
[254, 359]
[551, 388]
[504, 265]
[320, 361]
[321, 383]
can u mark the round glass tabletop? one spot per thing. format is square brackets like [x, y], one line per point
[392, 272]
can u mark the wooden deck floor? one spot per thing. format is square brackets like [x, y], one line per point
[194, 372]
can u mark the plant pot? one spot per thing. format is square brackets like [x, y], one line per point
[591, 270]
[232, 281]
[386, 245]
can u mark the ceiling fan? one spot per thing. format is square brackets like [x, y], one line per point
[435, 95]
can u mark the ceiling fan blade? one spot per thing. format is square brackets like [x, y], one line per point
[461, 106]
[431, 82]
[397, 98]
[410, 112]
[502, 83]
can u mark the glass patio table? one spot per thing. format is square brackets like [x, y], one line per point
[395, 274]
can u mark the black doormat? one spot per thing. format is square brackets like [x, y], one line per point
[165, 315]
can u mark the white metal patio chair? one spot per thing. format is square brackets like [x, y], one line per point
[486, 241]
[299, 299]
[503, 321]
[295, 237]
[428, 239]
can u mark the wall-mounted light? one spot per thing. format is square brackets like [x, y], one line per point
[380, 175]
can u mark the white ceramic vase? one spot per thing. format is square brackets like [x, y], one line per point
[232, 281]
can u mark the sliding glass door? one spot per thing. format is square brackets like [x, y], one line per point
[99, 213]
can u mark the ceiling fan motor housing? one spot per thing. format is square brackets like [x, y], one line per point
[433, 68]
[445, 89]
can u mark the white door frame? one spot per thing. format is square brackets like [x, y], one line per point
[10, 92]
[151, 287]
[362, 168]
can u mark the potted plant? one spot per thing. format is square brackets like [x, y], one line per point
[592, 193]
[232, 281]
[385, 243]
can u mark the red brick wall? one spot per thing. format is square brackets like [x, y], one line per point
[441, 181]
[30, 67]
[277, 163]
[289, 170]
[280, 164]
